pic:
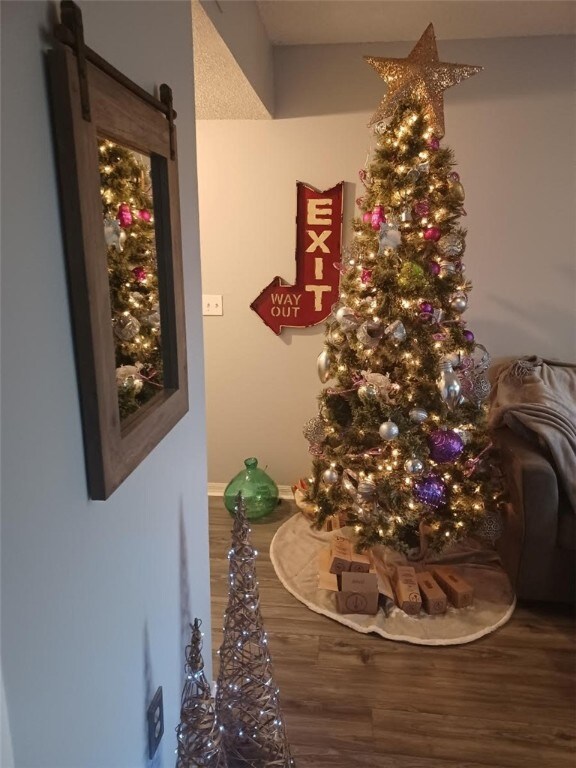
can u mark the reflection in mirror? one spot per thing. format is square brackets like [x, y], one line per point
[128, 213]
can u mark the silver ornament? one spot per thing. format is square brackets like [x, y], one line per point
[449, 386]
[153, 318]
[396, 331]
[491, 527]
[454, 358]
[368, 392]
[370, 333]
[330, 476]
[364, 511]
[366, 489]
[347, 319]
[451, 245]
[423, 167]
[481, 358]
[447, 268]
[349, 482]
[134, 383]
[126, 327]
[418, 415]
[128, 378]
[389, 236]
[336, 337]
[463, 434]
[315, 430]
[406, 215]
[323, 364]
[114, 235]
[386, 389]
[388, 430]
[481, 389]
[459, 302]
[413, 175]
[413, 466]
[438, 315]
[334, 309]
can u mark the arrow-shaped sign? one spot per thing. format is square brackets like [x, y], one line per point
[318, 257]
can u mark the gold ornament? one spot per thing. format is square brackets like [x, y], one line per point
[422, 76]
[458, 190]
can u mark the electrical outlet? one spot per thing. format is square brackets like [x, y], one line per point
[211, 304]
[155, 723]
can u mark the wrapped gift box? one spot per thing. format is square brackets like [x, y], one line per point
[355, 592]
[340, 555]
[360, 562]
[459, 592]
[433, 597]
[358, 593]
[406, 589]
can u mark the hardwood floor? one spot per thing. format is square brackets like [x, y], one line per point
[360, 701]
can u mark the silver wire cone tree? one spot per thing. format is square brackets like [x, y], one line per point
[199, 735]
[247, 698]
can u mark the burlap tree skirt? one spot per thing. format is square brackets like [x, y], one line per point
[294, 554]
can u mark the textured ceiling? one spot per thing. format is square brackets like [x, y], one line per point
[222, 91]
[308, 22]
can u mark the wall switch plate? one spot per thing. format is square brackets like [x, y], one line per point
[155, 716]
[211, 304]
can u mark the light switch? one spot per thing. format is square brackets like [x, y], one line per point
[211, 304]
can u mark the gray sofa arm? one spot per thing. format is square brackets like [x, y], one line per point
[537, 566]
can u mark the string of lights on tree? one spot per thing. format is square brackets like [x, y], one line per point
[400, 440]
[127, 201]
[247, 698]
[199, 735]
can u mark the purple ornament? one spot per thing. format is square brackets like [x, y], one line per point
[445, 445]
[426, 308]
[468, 335]
[430, 490]
[144, 214]
[434, 268]
[367, 218]
[434, 143]
[432, 233]
[454, 176]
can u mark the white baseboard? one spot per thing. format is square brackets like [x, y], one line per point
[217, 489]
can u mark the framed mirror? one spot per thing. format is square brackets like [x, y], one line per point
[118, 177]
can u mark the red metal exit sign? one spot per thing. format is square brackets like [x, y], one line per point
[318, 258]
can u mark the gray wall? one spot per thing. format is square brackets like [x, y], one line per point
[513, 130]
[91, 603]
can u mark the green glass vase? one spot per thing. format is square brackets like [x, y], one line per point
[259, 491]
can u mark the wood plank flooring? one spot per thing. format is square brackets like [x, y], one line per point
[360, 701]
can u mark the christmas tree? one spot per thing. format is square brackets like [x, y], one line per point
[400, 441]
[127, 209]
[247, 700]
[199, 737]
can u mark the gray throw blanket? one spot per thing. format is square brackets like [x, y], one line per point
[536, 398]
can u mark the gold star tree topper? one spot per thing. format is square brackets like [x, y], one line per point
[422, 76]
